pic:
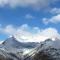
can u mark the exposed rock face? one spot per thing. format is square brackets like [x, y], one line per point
[47, 54]
[41, 56]
[2, 57]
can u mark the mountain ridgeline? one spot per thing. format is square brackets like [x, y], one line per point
[12, 49]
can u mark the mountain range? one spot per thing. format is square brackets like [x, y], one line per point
[12, 49]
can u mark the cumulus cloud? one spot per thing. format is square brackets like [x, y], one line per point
[26, 33]
[26, 3]
[9, 30]
[50, 32]
[54, 19]
[55, 11]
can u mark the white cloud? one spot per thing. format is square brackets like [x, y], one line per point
[50, 32]
[54, 19]
[28, 16]
[55, 11]
[30, 34]
[45, 20]
[26, 3]
[9, 29]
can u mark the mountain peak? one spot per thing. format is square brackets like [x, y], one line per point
[49, 39]
[11, 41]
[13, 38]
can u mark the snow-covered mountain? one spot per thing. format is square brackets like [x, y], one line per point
[13, 45]
[13, 49]
[48, 50]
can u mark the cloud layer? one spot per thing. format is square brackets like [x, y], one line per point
[26, 3]
[26, 33]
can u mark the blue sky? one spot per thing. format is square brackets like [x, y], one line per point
[44, 14]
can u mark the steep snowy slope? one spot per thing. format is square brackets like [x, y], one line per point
[48, 50]
[12, 45]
